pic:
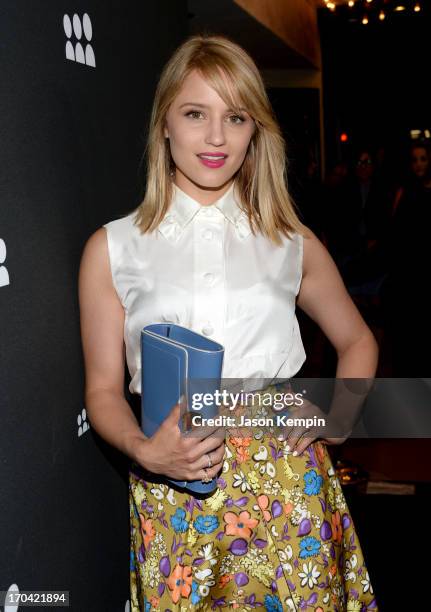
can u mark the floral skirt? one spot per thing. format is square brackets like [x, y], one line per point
[275, 535]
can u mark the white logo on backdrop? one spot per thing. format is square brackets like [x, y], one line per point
[83, 424]
[75, 50]
[12, 590]
[4, 274]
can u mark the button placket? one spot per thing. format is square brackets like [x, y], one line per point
[209, 293]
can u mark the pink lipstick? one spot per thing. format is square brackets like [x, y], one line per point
[212, 160]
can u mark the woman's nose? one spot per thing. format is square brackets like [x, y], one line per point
[215, 134]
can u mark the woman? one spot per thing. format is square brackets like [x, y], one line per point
[216, 246]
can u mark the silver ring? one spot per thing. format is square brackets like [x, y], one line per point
[207, 478]
[210, 463]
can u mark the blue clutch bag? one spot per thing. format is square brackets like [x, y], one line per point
[177, 361]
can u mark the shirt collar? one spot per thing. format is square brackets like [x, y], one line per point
[183, 209]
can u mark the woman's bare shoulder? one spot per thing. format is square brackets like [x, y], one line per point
[95, 256]
[315, 253]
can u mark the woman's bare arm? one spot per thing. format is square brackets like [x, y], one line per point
[102, 325]
[102, 330]
[325, 299]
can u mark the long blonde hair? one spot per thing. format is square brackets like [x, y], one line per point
[261, 182]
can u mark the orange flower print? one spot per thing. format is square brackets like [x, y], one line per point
[147, 530]
[337, 532]
[240, 441]
[263, 503]
[242, 454]
[154, 601]
[179, 582]
[288, 508]
[224, 580]
[241, 525]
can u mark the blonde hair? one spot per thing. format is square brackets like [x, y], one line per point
[261, 181]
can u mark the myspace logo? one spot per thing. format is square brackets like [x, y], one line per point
[74, 30]
[4, 274]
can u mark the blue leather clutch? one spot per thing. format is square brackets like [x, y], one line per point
[177, 361]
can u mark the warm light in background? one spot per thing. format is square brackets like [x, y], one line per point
[344, 137]
[390, 5]
[420, 134]
[371, 10]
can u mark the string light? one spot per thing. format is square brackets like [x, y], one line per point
[370, 10]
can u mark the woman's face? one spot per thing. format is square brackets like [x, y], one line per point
[208, 141]
[419, 161]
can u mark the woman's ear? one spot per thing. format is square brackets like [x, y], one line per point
[165, 132]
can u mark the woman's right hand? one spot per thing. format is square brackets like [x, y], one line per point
[183, 457]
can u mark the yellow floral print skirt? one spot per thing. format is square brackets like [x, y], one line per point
[275, 535]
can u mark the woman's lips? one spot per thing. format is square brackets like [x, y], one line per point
[212, 163]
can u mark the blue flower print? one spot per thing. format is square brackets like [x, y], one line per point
[132, 560]
[313, 483]
[272, 603]
[178, 522]
[147, 605]
[195, 596]
[206, 524]
[309, 547]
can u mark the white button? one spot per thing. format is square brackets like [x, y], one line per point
[207, 330]
[207, 234]
[209, 277]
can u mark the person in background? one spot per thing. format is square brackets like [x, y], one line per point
[407, 302]
[358, 221]
[419, 171]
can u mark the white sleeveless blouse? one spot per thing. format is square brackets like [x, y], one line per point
[203, 269]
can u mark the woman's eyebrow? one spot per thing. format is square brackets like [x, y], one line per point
[193, 104]
[205, 106]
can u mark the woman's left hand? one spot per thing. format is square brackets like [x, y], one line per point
[299, 437]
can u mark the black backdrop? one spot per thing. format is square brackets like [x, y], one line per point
[71, 139]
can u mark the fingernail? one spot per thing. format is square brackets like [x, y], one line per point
[295, 453]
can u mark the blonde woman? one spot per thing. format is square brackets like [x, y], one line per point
[216, 246]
